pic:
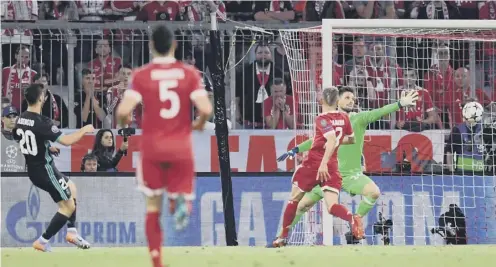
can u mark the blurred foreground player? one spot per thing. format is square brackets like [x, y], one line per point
[166, 87]
[332, 128]
[34, 132]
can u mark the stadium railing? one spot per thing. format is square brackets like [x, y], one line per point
[62, 51]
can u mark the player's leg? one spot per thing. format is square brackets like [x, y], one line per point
[61, 194]
[73, 236]
[179, 183]
[331, 189]
[303, 181]
[361, 184]
[151, 183]
[305, 204]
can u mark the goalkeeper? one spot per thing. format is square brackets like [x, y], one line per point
[350, 156]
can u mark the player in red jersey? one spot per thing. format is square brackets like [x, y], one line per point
[166, 88]
[332, 128]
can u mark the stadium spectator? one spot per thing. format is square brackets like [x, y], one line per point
[375, 9]
[12, 159]
[280, 57]
[115, 94]
[17, 77]
[433, 10]
[379, 70]
[239, 10]
[54, 106]
[87, 106]
[460, 93]
[251, 84]
[467, 9]
[89, 10]
[279, 109]
[126, 43]
[200, 10]
[104, 150]
[366, 96]
[16, 11]
[421, 117]
[273, 10]
[161, 10]
[438, 81]
[105, 66]
[58, 10]
[52, 47]
[358, 59]
[318, 10]
[89, 163]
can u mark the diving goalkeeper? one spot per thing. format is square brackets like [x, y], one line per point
[349, 157]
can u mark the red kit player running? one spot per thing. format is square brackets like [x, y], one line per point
[166, 88]
[332, 128]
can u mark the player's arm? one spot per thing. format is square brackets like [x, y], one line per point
[303, 147]
[406, 100]
[52, 133]
[199, 97]
[349, 135]
[129, 101]
[330, 146]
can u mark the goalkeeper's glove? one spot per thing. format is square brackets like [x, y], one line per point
[409, 98]
[291, 154]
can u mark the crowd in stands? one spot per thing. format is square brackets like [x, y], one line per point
[264, 96]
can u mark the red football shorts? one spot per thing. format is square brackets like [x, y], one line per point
[174, 177]
[305, 178]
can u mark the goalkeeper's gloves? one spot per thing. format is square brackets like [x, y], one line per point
[409, 98]
[291, 154]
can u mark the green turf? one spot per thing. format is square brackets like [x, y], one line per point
[338, 256]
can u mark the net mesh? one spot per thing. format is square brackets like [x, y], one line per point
[454, 66]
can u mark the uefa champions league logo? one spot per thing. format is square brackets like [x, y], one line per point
[21, 218]
[11, 151]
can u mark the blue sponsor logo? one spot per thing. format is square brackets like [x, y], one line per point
[24, 227]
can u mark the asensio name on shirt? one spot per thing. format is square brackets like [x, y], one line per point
[26, 122]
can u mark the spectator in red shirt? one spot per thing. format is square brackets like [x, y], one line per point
[421, 117]
[160, 10]
[17, 77]
[115, 94]
[460, 95]
[105, 66]
[279, 108]
[439, 81]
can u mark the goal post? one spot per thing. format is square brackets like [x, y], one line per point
[421, 196]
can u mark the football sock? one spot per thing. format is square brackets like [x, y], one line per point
[295, 221]
[342, 212]
[288, 217]
[365, 206]
[58, 221]
[154, 237]
[72, 220]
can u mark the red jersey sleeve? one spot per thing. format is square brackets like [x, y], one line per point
[324, 125]
[347, 131]
[427, 100]
[197, 85]
[134, 90]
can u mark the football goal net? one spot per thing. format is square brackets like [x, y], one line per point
[451, 61]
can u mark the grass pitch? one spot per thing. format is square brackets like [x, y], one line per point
[348, 256]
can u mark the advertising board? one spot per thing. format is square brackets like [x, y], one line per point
[111, 210]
